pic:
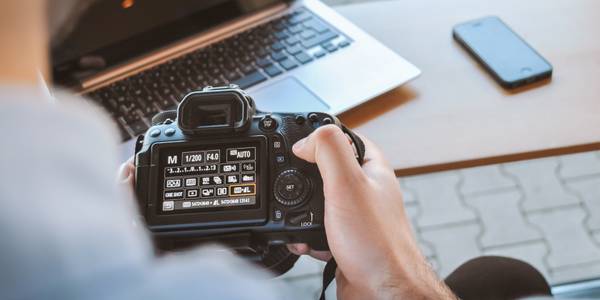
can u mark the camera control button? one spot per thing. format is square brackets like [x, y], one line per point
[267, 123]
[169, 132]
[291, 187]
[155, 133]
[280, 159]
[277, 143]
[302, 219]
[300, 119]
[313, 117]
[277, 215]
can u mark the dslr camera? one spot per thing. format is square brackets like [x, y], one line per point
[218, 170]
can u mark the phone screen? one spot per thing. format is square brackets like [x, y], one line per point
[502, 52]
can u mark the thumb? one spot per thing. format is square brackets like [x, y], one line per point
[328, 147]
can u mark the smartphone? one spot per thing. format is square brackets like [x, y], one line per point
[505, 55]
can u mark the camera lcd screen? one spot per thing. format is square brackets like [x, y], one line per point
[209, 177]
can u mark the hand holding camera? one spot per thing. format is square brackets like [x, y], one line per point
[249, 190]
[368, 230]
[216, 170]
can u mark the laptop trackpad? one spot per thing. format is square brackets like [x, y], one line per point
[287, 95]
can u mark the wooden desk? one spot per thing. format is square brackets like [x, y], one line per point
[455, 115]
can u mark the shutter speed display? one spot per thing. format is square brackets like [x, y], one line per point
[219, 177]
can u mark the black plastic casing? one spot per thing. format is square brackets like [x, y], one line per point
[254, 229]
[505, 55]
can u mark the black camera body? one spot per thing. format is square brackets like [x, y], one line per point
[216, 170]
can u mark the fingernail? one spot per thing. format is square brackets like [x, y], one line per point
[299, 144]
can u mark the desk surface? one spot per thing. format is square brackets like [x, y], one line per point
[455, 115]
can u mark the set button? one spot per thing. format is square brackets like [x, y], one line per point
[291, 187]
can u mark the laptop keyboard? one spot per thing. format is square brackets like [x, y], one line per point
[246, 59]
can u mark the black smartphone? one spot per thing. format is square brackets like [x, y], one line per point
[510, 60]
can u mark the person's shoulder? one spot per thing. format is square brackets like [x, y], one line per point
[30, 106]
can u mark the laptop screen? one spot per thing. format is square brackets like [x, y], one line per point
[114, 31]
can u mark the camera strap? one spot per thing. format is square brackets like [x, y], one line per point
[358, 143]
[331, 266]
[328, 276]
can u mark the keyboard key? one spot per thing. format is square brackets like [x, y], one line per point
[138, 127]
[264, 62]
[261, 52]
[277, 46]
[247, 69]
[307, 34]
[280, 24]
[278, 56]
[112, 104]
[281, 35]
[330, 47]
[292, 40]
[273, 70]
[232, 75]
[344, 44]
[295, 29]
[216, 81]
[316, 25]
[319, 39]
[131, 116]
[299, 18]
[303, 58]
[250, 80]
[320, 53]
[145, 102]
[165, 102]
[293, 50]
[288, 64]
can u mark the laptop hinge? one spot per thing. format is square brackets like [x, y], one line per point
[178, 49]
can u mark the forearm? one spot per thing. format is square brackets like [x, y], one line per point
[413, 278]
[23, 40]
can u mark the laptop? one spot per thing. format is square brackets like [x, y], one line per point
[137, 58]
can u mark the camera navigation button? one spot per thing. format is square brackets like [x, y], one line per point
[300, 119]
[277, 143]
[291, 187]
[277, 215]
[155, 133]
[280, 159]
[267, 123]
[169, 132]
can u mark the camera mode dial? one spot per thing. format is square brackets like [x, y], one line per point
[291, 187]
